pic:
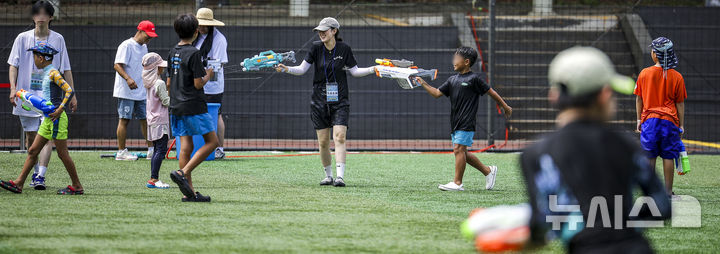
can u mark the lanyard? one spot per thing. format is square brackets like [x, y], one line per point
[332, 70]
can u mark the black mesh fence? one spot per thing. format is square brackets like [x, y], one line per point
[264, 110]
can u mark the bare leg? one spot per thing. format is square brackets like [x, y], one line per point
[221, 131]
[29, 138]
[211, 143]
[44, 156]
[143, 129]
[122, 133]
[323, 137]
[476, 163]
[185, 150]
[669, 172]
[184, 156]
[339, 134]
[62, 151]
[31, 160]
[460, 152]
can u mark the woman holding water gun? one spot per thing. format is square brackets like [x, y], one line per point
[330, 104]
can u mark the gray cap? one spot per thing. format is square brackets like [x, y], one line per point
[326, 24]
[584, 70]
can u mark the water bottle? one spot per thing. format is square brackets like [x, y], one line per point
[682, 163]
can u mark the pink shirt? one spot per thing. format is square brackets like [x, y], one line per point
[157, 104]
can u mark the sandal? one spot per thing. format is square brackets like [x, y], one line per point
[69, 190]
[179, 178]
[198, 198]
[10, 186]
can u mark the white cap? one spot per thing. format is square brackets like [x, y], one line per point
[584, 70]
[326, 24]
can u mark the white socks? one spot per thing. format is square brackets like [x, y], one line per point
[341, 170]
[42, 170]
[221, 149]
[328, 170]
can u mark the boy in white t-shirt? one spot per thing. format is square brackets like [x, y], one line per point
[129, 86]
[25, 75]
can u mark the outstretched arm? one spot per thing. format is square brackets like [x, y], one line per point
[499, 100]
[294, 70]
[361, 72]
[434, 92]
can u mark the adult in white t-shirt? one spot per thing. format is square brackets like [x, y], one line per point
[25, 75]
[213, 49]
[129, 89]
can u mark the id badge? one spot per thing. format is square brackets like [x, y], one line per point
[332, 93]
[216, 65]
[36, 80]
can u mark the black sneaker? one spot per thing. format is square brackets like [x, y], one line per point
[327, 181]
[198, 198]
[179, 178]
[339, 182]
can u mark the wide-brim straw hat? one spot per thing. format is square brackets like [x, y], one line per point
[205, 18]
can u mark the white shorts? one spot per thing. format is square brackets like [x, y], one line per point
[30, 123]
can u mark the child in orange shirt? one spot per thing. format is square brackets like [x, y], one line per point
[660, 108]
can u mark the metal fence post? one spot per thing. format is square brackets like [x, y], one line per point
[21, 146]
[199, 4]
[491, 70]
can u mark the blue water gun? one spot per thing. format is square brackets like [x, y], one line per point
[267, 59]
[35, 103]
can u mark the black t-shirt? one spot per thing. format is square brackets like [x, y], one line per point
[464, 91]
[583, 160]
[330, 63]
[185, 65]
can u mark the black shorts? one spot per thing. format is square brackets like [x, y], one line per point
[215, 98]
[326, 116]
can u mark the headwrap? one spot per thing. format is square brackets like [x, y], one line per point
[150, 62]
[663, 49]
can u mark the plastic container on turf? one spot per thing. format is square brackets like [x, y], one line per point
[684, 162]
[198, 140]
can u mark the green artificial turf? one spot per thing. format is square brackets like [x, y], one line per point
[275, 205]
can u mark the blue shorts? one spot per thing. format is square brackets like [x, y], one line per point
[199, 124]
[130, 109]
[661, 137]
[462, 138]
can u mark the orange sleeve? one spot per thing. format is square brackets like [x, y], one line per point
[680, 89]
[638, 84]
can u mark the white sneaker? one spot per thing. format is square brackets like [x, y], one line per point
[150, 153]
[490, 178]
[124, 155]
[160, 185]
[451, 186]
